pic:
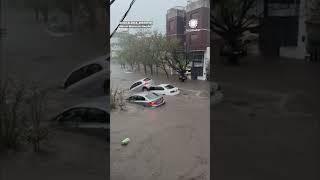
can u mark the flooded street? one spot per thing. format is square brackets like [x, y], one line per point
[168, 142]
[31, 55]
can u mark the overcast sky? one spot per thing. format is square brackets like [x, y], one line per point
[144, 10]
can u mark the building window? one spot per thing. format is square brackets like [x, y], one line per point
[197, 56]
[171, 26]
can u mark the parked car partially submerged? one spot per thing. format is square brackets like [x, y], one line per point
[164, 89]
[91, 78]
[92, 118]
[147, 99]
[141, 85]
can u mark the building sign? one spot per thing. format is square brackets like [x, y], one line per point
[193, 24]
[136, 24]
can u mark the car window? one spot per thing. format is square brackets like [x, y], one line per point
[75, 77]
[82, 73]
[169, 86]
[97, 115]
[152, 88]
[146, 79]
[131, 98]
[73, 115]
[92, 68]
[136, 84]
[152, 96]
[159, 88]
[140, 98]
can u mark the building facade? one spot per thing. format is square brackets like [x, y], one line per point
[175, 26]
[191, 26]
[284, 31]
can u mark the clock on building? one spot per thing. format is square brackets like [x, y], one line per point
[193, 23]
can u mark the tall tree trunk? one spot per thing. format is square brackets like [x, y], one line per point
[151, 69]
[145, 69]
[157, 69]
[165, 70]
[131, 66]
[138, 67]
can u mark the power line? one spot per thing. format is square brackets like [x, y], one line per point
[112, 1]
[123, 17]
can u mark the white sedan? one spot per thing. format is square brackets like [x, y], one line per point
[91, 78]
[141, 85]
[91, 118]
[164, 89]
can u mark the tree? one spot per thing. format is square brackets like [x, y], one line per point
[175, 56]
[72, 9]
[152, 50]
[157, 48]
[128, 52]
[160, 51]
[232, 19]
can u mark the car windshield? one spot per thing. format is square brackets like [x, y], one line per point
[152, 96]
[169, 86]
[147, 79]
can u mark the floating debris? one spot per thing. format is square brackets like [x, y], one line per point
[125, 141]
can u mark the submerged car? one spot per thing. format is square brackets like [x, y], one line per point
[92, 118]
[141, 85]
[147, 99]
[91, 78]
[164, 89]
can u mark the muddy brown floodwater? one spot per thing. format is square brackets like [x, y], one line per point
[168, 142]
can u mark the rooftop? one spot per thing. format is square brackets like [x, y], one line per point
[196, 4]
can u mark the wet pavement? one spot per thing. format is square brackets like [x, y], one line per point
[168, 142]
